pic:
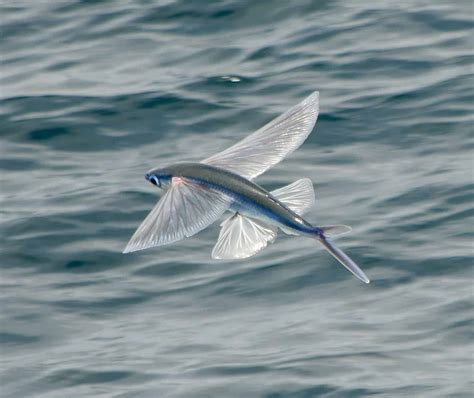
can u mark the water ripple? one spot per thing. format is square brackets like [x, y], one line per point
[96, 93]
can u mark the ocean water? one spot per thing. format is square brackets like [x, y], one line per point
[95, 93]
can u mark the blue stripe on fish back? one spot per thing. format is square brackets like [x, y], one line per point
[247, 205]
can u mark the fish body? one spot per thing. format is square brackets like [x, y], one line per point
[247, 197]
[197, 194]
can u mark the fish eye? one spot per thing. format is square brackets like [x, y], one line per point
[155, 181]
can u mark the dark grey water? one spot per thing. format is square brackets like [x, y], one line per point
[93, 94]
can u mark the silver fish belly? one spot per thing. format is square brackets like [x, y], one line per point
[247, 197]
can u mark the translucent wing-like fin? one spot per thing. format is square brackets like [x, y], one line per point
[270, 144]
[332, 231]
[298, 196]
[185, 209]
[242, 237]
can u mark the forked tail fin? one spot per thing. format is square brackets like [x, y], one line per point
[344, 259]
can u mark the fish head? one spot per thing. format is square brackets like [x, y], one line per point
[161, 178]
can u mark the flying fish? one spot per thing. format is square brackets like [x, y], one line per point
[198, 194]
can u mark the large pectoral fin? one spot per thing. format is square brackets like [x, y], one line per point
[270, 144]
[185, 209]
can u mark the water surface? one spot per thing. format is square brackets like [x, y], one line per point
[93, 94]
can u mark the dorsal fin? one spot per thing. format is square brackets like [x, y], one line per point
[298, 196]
